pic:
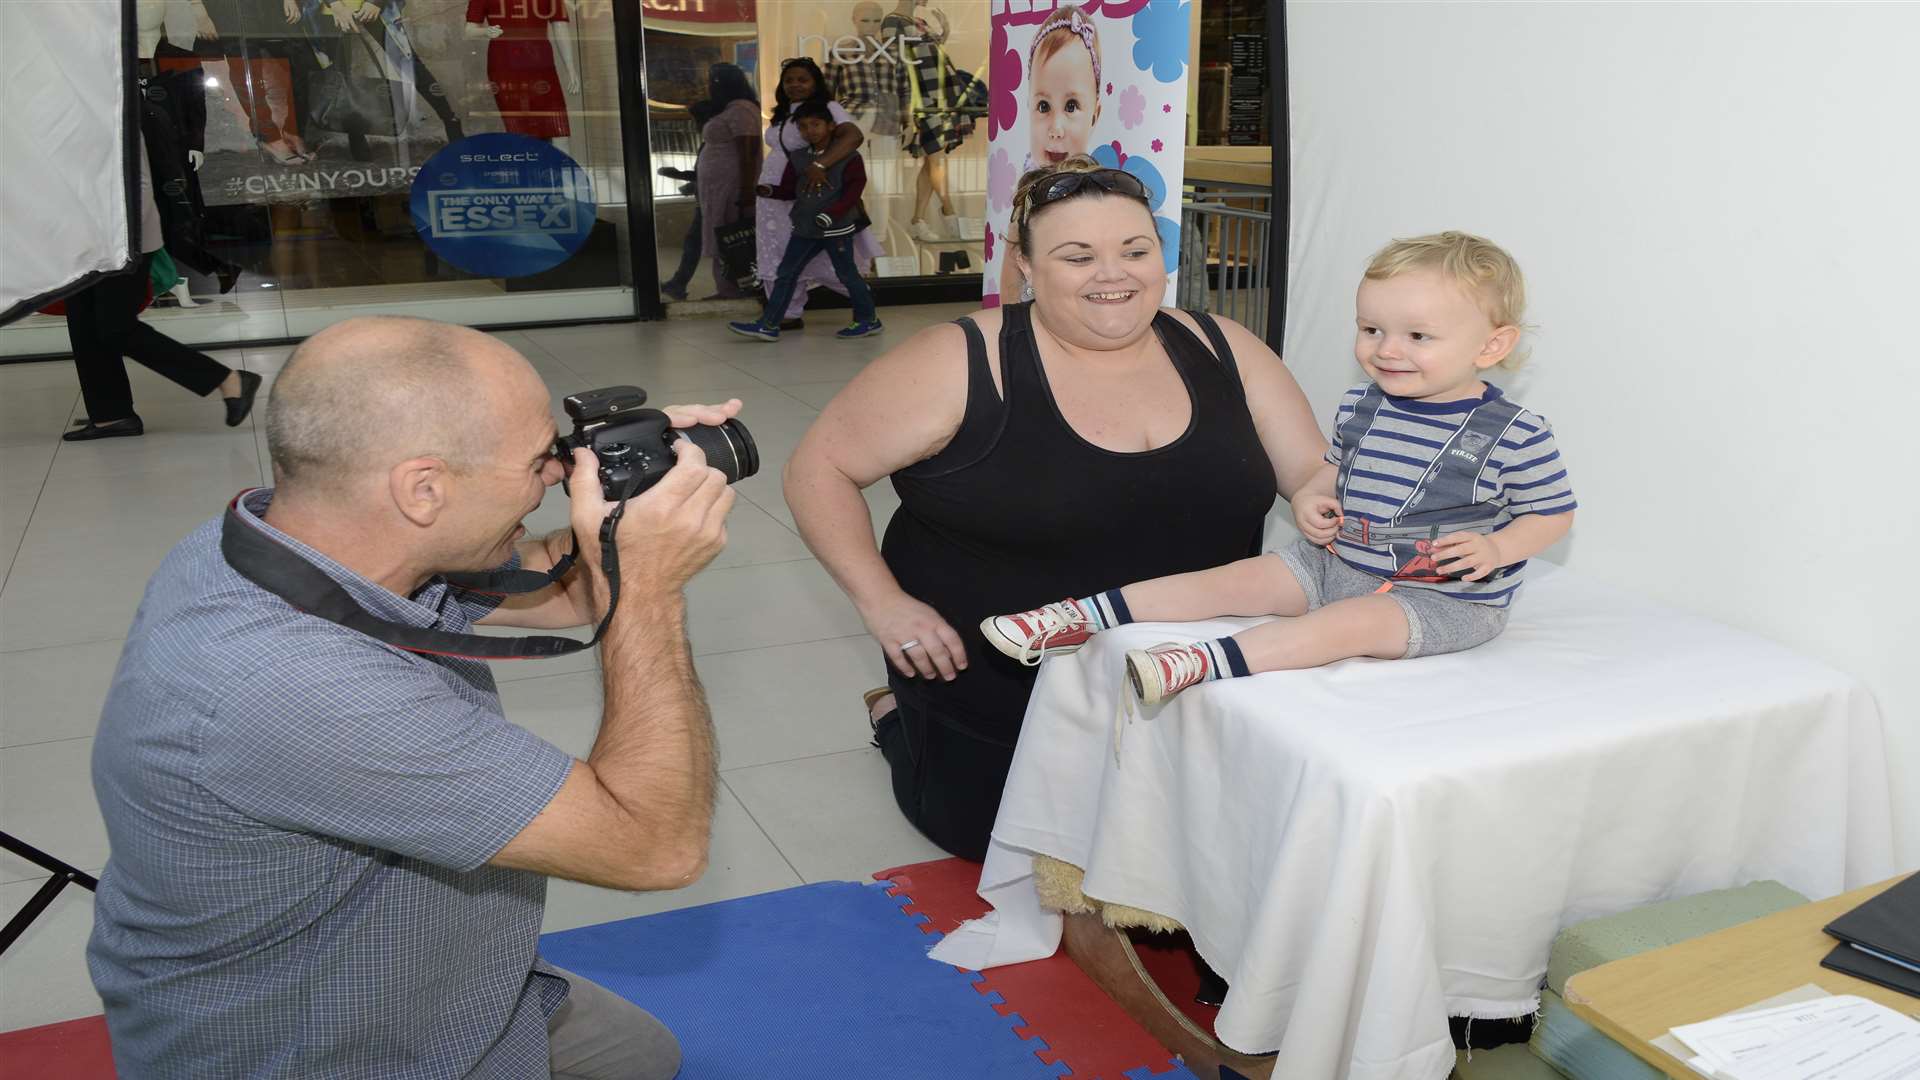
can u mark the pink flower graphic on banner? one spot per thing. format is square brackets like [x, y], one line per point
[1166, 108]
[1004, 80]
[1119, 155]
[1158, 146]
[988, 253]
[1133, 108]
[1000, 180]
[1109, 89]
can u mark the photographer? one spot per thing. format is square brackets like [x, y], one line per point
[329, 854]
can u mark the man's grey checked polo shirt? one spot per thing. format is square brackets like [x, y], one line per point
[300, 819]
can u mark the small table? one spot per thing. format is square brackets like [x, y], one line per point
[1641, 998]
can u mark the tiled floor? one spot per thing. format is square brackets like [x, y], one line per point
[781, 652]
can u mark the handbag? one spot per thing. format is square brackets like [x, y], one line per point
[343, 102]
[735, 244]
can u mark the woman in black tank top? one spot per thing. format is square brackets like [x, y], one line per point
[1077, 466]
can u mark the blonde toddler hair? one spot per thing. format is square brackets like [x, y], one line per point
[1479, 265]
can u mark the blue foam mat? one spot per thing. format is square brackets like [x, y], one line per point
[827, 980]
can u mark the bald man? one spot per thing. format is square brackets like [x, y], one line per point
[329, 856]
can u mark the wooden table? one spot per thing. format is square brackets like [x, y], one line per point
[1639, 999]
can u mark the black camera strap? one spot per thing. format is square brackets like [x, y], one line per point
[255, 555]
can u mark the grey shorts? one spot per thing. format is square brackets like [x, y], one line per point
[1435, 624]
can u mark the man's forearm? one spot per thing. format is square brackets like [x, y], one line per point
[655, 751]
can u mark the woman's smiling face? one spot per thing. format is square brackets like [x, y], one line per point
[1096, 268]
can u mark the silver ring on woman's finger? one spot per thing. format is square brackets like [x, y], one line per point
[914, 644]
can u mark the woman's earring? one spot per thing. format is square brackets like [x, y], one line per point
[1026, 291]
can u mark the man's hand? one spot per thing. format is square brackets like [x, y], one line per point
[368, 12]
[669, 532]
[1317, 517]
[712, 415]
[291, 9]
[342, 16]
[1477, 553]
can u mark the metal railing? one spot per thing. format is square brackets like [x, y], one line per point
[1225, 231]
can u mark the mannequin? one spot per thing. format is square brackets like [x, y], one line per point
[526, 39]
[945, 106]
[873, 87]
[269, 59]
[174, 126]
[385, 22]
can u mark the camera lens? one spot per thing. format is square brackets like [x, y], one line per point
[728, 447]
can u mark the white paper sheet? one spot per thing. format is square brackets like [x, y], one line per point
[1367, 848]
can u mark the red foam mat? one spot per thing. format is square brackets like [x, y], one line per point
[75, 1050]
[1080, 1024]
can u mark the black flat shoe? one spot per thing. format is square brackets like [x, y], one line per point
[112, 429]
[239, 407]
[227, 277]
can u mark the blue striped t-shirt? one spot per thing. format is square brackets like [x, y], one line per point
[1523, 474]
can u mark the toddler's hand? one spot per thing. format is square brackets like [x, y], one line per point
[1471, 555]
[1317, 517]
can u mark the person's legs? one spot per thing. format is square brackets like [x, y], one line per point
[599, 1035]
[1359, 626]
[840, 251]
[799, 250]
[100, 320]
[190, 368]
[1262, 585]
[947, 782]
[676, 286]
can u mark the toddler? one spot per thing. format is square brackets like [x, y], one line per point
[1417, 529]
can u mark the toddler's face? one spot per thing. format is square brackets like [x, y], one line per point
[1063, 104]
[1422, 335]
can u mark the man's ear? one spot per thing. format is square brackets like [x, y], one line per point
[1498, 347]
[420, 489]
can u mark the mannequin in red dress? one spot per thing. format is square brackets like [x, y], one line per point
[525, 38]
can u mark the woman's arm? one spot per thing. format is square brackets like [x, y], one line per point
[1280, 411]
[903, 408]
[847, 137]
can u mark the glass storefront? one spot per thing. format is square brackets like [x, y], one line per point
[465, 159]
[293, 132]
[912, 77]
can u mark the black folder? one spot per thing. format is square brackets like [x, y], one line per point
[1888, 924]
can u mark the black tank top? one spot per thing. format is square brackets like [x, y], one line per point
[1018, 510]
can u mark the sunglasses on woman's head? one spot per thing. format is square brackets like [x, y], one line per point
[1111, 181]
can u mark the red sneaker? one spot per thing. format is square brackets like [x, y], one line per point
[1047, 631]
[1165, 670]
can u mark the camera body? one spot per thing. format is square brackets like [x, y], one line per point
[634, 444]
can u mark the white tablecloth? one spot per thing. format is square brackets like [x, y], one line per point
[1367, 848]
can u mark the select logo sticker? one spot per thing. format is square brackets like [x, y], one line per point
[503, 205]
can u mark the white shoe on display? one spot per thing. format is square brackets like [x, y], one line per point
[921, 230]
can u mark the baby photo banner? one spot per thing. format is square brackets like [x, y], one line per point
[1107, 78]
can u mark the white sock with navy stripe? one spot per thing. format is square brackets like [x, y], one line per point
[1106, 609]
[1224, 659]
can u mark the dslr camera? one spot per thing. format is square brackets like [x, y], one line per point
[634, 444]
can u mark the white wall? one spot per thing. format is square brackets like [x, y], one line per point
[1718, 210]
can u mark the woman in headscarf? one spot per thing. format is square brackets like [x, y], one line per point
[729, 158]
